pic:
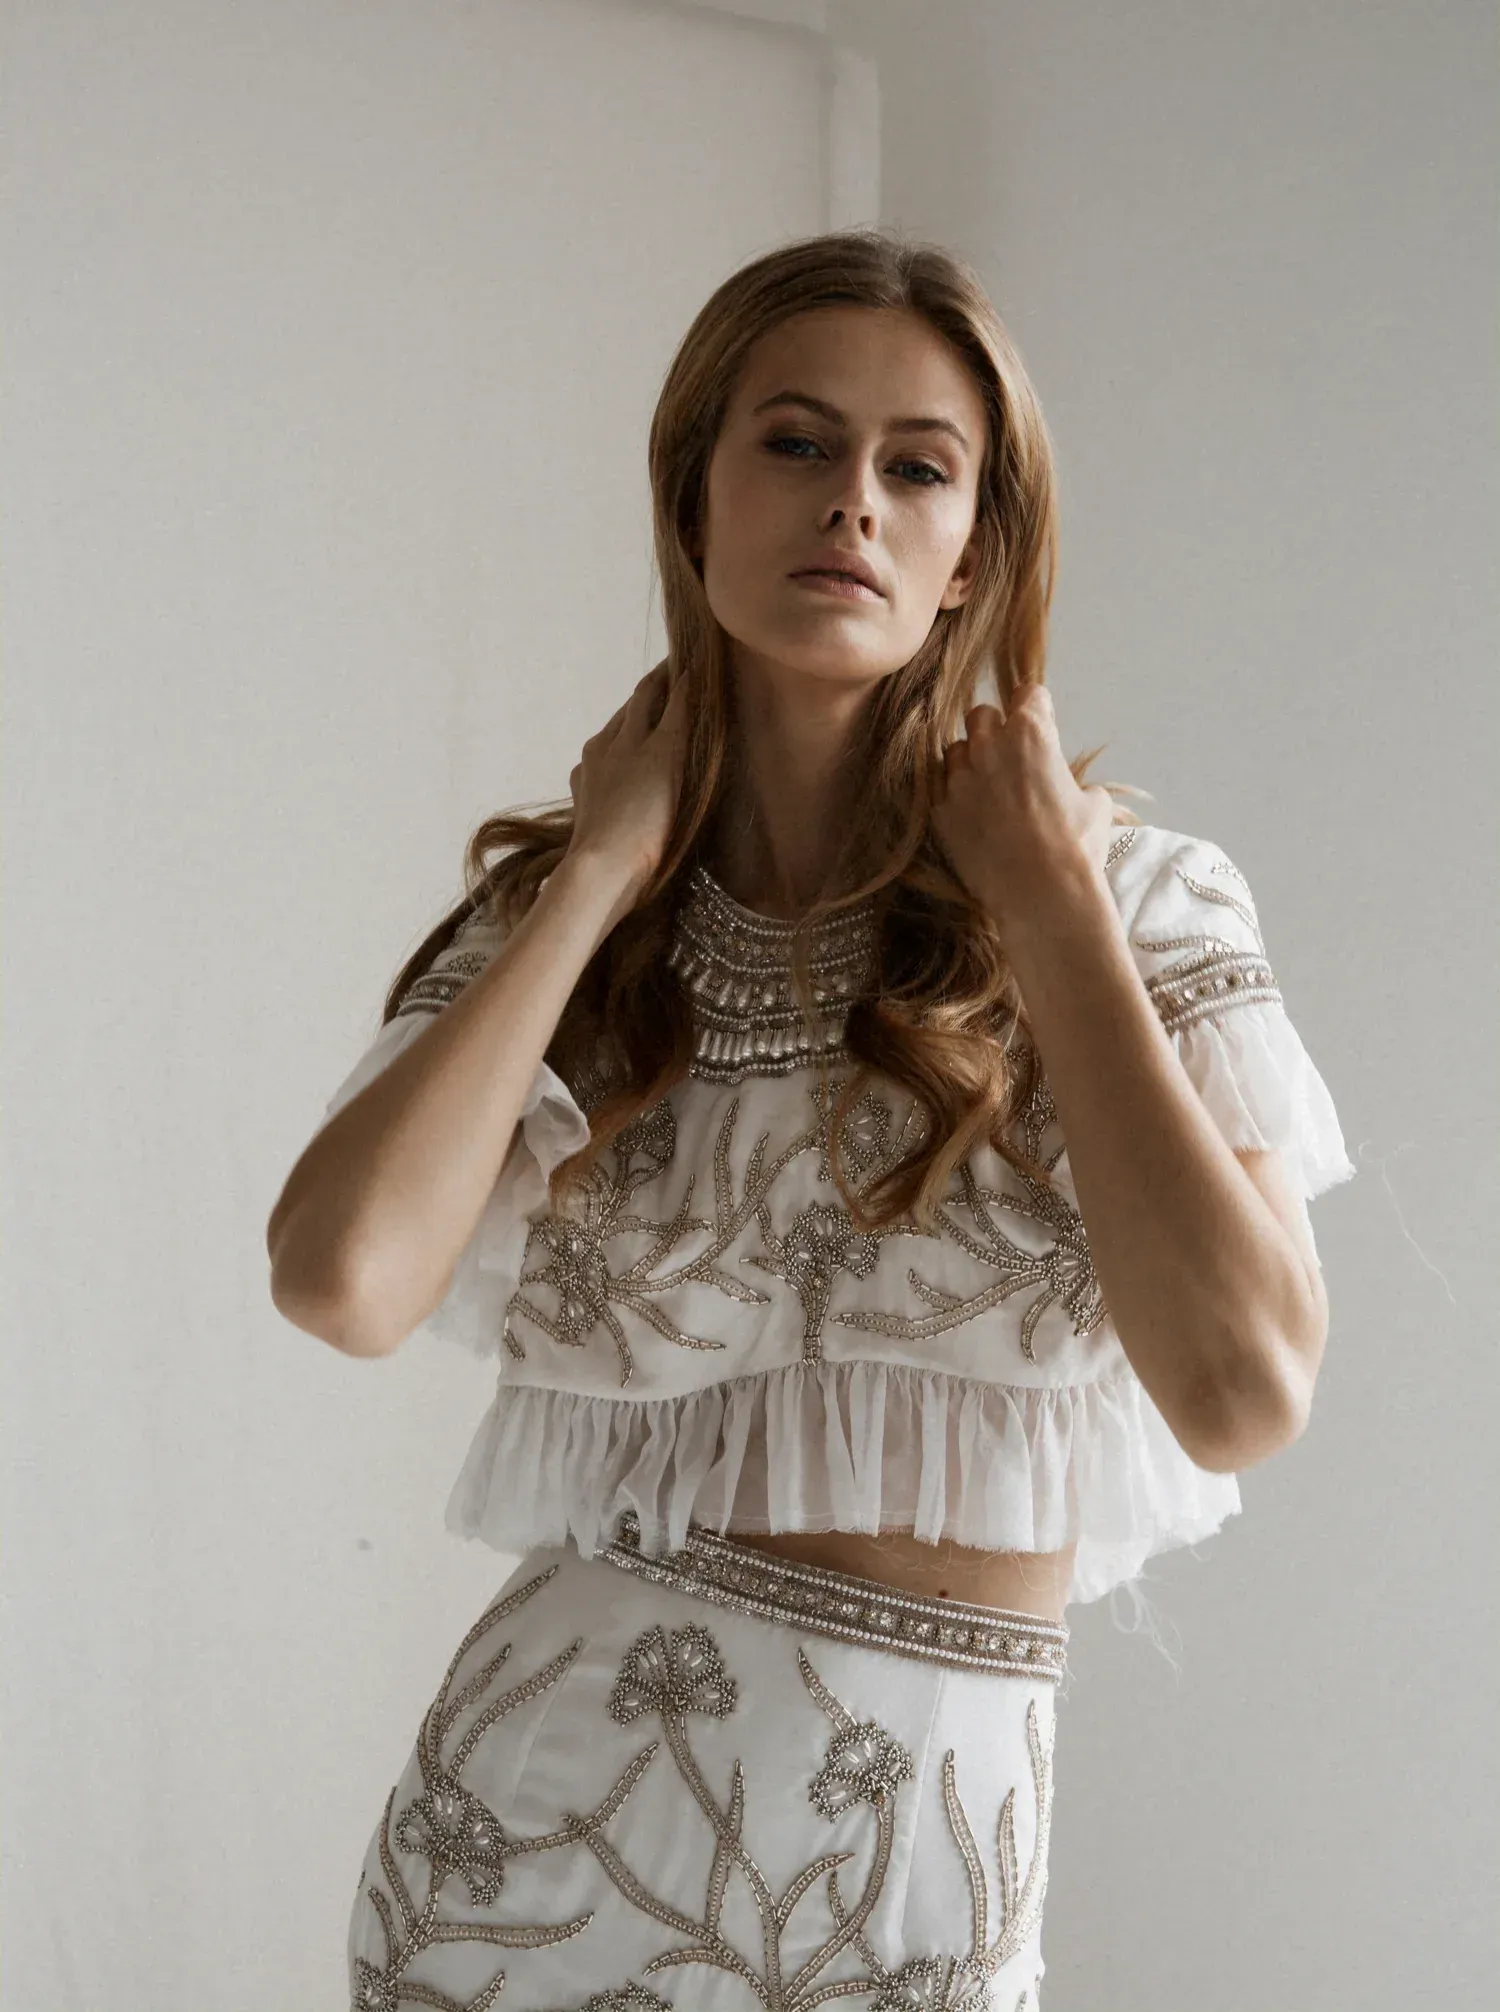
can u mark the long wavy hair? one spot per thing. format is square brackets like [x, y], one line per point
[946, 1019]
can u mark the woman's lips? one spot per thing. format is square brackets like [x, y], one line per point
[837, 583]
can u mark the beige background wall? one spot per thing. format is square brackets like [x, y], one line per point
[330, 338]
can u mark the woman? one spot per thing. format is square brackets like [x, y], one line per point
[727, 1116]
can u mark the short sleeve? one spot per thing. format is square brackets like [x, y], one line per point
[1197, 940]
[552, 1128]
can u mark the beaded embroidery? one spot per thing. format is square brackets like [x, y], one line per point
[457, 1835]
[810, 1252]
[736, 966]
[845, 1607]
[614, 1252]
[440, 986]
[1216, 974]
[669, 1675]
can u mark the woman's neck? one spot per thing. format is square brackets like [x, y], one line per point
[788, 799]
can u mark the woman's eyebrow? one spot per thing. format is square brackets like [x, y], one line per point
[917, 424]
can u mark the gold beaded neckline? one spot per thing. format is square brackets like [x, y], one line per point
[737, 967]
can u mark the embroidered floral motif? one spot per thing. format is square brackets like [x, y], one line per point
[867, 1144]
[673, 1676]
[684, 1675]
[931, 1984]
[653, 1678]
[578, 1269]
[864, 1764]
[609, 1256]
[633, 1998]
[819, 1243]
[865, 1768]
[814, 1250]
[467, 954]
[1020, 1904]
[957, 1983]
[1062, 1273]
[457, 1835]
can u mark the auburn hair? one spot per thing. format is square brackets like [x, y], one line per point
[946, 1020]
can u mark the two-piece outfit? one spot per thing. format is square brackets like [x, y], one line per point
[664, 1768]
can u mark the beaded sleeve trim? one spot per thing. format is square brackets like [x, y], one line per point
[849, 1608]
[1204, 984]
[439, 987]
[1216, 973]
[737, 968]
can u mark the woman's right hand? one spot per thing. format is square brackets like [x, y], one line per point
[626, 785]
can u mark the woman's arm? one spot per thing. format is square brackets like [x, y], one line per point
[375, 1214]
[1200, 1260]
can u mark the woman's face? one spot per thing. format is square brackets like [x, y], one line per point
[787, 482]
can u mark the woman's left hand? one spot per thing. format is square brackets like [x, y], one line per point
[1008, 813]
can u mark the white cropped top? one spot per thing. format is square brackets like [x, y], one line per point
[704, 1334]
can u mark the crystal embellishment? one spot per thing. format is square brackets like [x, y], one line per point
[737, 967]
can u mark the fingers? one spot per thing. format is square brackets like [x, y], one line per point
[644, 706]
[1032, 704]
[668, 712]
[636, 709]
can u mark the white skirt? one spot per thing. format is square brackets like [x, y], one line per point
[714, 1779]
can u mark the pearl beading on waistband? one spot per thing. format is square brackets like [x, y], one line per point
[737, 968]
[848, 1607]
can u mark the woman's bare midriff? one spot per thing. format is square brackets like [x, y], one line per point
[1025, 1582]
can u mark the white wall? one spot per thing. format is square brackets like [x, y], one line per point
[331, 336]
[332, 333]
[1249, 254]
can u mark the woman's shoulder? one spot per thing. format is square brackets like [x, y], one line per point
[1164, 881]
[475, 940]
[1138, 853]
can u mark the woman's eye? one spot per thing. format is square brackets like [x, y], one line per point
[936, 475]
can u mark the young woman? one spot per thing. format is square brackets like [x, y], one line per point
[877, 1167]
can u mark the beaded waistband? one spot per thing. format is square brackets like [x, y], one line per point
[846, 1606]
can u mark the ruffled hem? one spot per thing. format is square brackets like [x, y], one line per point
[860, 1446]
[1262, 1090]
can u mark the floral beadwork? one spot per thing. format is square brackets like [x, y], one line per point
[802, 1940]
[864, 1768]
[570, 1286]
[864, 1763]
[456, 1834]
[683, 1674]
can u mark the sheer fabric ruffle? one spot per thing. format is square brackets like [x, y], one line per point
[1263, 1091]
[860, 1446]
